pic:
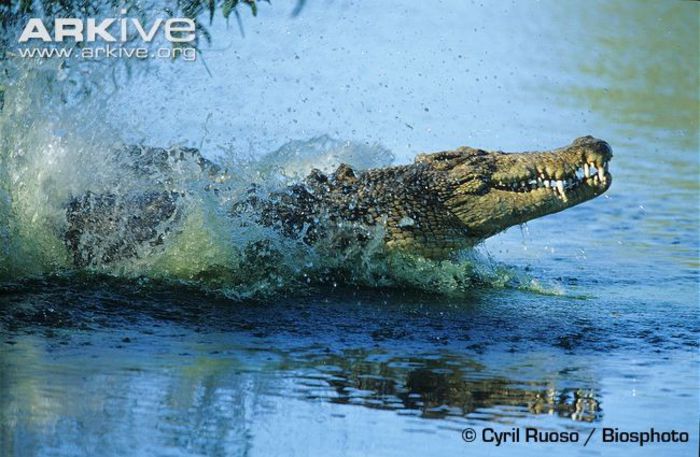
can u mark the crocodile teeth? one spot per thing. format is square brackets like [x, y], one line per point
[560, 188]
[590, 173]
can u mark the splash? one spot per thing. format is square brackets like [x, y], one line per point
[58, 144]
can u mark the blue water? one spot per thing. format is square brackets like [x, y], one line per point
[584, 319]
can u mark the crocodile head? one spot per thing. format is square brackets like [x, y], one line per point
[491, 191]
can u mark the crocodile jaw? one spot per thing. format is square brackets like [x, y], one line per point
[521, 187]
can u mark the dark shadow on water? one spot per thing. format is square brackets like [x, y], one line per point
[505, 320]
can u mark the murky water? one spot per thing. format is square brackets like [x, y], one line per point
[584, 319]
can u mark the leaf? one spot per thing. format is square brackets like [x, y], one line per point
[240, 23]
[25, 6]
[205, 33]
[299, 6]
[212, 8]
[253, 6]
[227, 7]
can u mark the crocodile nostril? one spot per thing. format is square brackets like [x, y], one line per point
[607, 150]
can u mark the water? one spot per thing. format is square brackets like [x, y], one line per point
[587, 318]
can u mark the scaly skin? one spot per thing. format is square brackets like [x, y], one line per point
[443, 202]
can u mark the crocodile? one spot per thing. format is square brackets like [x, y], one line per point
[441, 203]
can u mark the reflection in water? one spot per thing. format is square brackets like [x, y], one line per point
[447, 386]
[91, 406]
[84, 365]
[207, 405]
[81, 371]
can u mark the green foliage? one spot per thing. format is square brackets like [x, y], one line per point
[14, 14]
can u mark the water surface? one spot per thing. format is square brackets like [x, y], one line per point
[583, 319]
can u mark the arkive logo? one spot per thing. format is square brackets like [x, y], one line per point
[111, 30]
